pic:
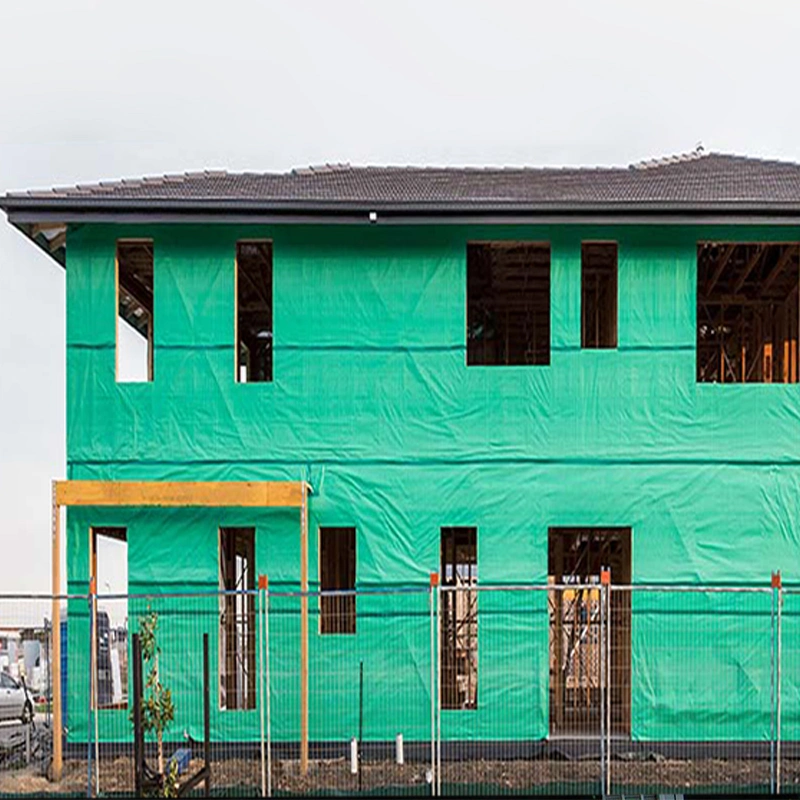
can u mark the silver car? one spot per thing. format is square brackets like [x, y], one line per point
[16, 702]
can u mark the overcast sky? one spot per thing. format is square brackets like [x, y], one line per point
[102, 90]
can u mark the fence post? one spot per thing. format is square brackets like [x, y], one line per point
[438, 775]
[779, 588]
[602, 683]
[138, 755]
[434, 583]
[262, 700]
[92, 670]
[772, 664]
[605, 581]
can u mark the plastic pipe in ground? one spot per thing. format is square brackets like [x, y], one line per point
[354, 756]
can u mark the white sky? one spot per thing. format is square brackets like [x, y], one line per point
[102, 90]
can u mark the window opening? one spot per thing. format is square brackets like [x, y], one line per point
[508, 303]
[598, 295]
[459, 678]
[747, 312]
[237, 629]
[109, 568]
[134, 311]
[254, 332]
[337, 572]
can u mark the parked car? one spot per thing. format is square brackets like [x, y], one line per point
[16, 702]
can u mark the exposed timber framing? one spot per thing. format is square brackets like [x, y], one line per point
[748, 313]
[177, 494]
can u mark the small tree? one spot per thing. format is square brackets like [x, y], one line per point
[158, 711]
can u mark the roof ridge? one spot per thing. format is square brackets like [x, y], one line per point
[673, 158]
[454, 168]
[319, 169]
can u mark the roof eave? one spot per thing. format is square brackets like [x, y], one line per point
[27, 209]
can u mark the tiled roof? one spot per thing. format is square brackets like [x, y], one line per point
[693, 180]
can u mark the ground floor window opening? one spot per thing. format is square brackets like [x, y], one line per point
[237, 627]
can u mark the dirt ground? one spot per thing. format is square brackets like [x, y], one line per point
[243, 776]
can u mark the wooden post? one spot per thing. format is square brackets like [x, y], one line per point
[304, 629]
[55, 632]
[767, 373]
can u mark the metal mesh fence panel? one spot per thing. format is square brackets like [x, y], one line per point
[26, 670]
[370, 707]
[573, 689]
[198, 680]
[520, 690]
[691, 701]
[787, 679]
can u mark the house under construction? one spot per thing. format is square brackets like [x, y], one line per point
[351, 377]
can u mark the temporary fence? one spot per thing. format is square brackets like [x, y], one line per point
[586, 688]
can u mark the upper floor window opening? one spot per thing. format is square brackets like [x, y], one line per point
[134, 329]
[599, 295]
[254, 332]
[747, 312]
[508, 303]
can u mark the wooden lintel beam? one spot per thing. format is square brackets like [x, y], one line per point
[216, 494]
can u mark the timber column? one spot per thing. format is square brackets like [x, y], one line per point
[55, 633]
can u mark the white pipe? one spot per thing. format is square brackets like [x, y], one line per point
[778, 699]
[354, 756]
[609, 695]
[437, 776]
[433, 688]
[95, 689]
[267, 692]
[399, 749]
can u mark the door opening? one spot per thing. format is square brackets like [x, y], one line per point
[575, 558]
[108, 565]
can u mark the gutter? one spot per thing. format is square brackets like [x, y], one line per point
[82, 204]
[23, 210]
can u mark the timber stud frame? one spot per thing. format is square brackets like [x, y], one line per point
[165, 494]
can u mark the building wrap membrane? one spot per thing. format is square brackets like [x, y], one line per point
[372, 403]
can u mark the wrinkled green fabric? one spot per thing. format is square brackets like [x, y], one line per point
[373, 403]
